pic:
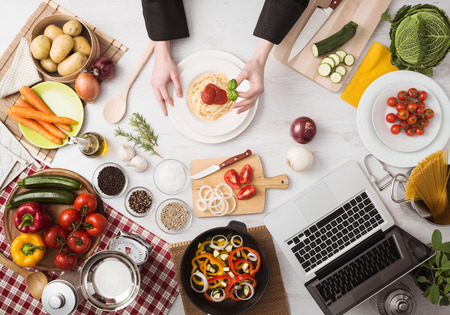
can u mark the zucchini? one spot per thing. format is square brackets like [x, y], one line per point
[328, 60]
[42, 196]
[335, 58]
[55, 181]
[336, 77]
[324, 69]
[341, 55]
[335, 41]
[341, 70]
[349, 60]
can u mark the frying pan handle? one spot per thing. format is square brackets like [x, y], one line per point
[238, 225]
[393, 190]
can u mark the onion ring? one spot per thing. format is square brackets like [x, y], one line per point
[210, 190]
[234, 205]
[222, 295]
[252, 256]
[202, 205]
[212, 245]
[238, 237]
[205, 282]
[248, 297]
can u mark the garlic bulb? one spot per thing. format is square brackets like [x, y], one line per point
[138, 164]
[126, 152]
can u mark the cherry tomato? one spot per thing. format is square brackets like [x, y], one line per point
[390, 118]
[402, 95]
[419, 131]
[55, 236]
[422, 96]
[232, 179]
[79, 242]
[86, 199]
[420, 110]
[400, 106]
[392, 101]
[412, 92]
[429, 113]
[403, 125]
[66, 261]
[409, 132]
[246, 175]
[411, 107]
[69, 218]
[403, 114]
[424, 122]
[395, 129]
[95, 224]
[412, 119]
[246, 193]
[420, 104]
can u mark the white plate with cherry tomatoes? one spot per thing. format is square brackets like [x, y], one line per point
[406, 123]
[392, 155]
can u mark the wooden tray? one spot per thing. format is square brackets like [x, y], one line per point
[366, 14]
[261, 183]
[54, 210]
[109, 47]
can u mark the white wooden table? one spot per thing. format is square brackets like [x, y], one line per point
[228, 26]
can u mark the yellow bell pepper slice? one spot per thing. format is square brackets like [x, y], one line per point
[28, 249]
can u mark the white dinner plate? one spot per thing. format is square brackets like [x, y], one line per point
[368, 134]
[401, 142]
[225, 123]
[208, 57]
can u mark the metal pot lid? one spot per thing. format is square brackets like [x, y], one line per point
[110, 280]
[59, 297]
[132, 245]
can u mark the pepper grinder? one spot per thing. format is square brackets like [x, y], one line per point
[396, 299]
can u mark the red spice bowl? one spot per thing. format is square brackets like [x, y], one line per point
[227, 306]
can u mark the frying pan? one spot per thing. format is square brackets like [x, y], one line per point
[227, 306]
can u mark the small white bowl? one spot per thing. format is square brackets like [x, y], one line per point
[95, 180]
[160, 223]
[127, 204]
[163, 178]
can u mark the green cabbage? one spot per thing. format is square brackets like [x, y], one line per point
[420, 37]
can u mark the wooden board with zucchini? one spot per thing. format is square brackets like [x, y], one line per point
[366, 14]
[56, 189]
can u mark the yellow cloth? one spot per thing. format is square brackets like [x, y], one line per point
[376, 63]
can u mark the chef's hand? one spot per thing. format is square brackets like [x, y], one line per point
[253, 72]
[164, 71]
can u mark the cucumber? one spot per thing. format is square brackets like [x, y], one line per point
[349, 60]
[335, 41]
[324, 69]
[341, 55]
[56, 181]
[341, 70]
[42, 196]
[336, 77]
[329, 60]
[335, 58]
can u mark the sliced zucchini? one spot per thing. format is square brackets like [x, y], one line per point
[349, 59]
[335, 59]
[341, 55]
[324, 69]
[341, 70]
[336, 77]
[329, 61]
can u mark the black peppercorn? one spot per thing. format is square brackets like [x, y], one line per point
[111, 180]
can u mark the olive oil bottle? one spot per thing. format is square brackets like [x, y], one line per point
[91, 144]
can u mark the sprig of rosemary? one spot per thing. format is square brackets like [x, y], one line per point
[146, 137]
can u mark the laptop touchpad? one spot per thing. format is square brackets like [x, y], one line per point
[316, 202]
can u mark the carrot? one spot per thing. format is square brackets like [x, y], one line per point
[34, 126]
[34, 114]
[48, 126]
[39, 105]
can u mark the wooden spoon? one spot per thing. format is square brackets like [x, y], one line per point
[114, 110]
[36, 281]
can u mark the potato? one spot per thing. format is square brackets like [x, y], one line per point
[48, 65]
[40, 47]
[61, 47]
[72, 64]
[81, 44]
[72, 28]
[52, 31]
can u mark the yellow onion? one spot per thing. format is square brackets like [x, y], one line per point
[87, 87]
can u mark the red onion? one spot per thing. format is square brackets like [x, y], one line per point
[103, 68]
[303, 129]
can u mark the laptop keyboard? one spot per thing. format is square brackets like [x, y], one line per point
[336, 231]
[359, 270]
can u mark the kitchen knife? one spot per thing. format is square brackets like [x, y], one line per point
[315, 21]
[214, 168]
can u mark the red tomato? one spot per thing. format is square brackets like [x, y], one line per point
[409, 132]
[69, 218]
[420, 104]
[420, 110]
[401, 95]
[419, 131]
[392, 101]
[403, 114]
[209, 94]
[412, 119]
[424, 122]
[80, 242]
[95, 224]
[395, 129]
[422, 96]
[390, 118]
[403, 125]
[246, 174]
[429, 113]
[246, 193]
[86, 199]
[66, 261]
[55, 236]
[232, 179]
[221, 96]
[400, 106]
[412, 92]
[411, 107]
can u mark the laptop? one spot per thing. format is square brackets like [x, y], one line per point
[342, 241]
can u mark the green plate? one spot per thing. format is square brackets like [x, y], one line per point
[63, 101]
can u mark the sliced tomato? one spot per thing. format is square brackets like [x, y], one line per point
[232, 179]
[209, 94]
[246, 193]
[246, 175]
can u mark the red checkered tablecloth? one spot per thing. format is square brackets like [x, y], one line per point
[158, 279]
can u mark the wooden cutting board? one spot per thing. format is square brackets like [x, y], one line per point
[365, 13]
[54, 210]
[261, 183]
